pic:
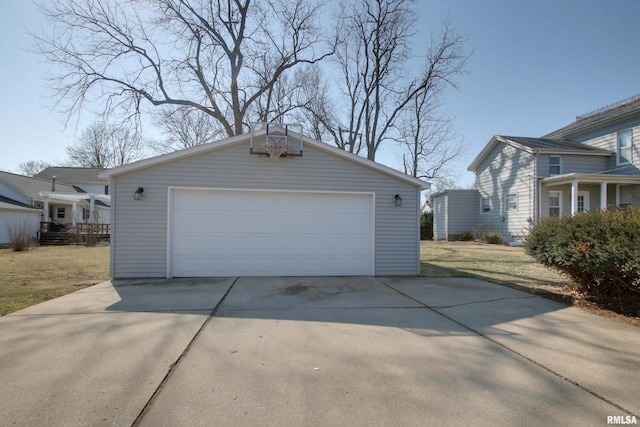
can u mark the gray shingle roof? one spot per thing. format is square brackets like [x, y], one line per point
[619, 112]
[32, 187]
[6, 202]
[553, 144]
[628, 170]
[72, 175]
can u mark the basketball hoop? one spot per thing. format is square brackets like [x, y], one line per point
[275, 148]
[276, 140]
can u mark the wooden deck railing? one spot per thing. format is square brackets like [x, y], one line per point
[80, 228]
[52, 233]
[101, 229]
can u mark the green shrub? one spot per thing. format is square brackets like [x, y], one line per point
[466, 236]
[426, 226]
[493, 238]
[597, 250]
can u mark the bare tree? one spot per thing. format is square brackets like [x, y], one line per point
[221, 57]
[105, 146]
[316, 109]
[375, 60]
[429, 142]
[184, 128]
[33, 167]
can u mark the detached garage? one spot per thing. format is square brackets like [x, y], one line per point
[236, 208]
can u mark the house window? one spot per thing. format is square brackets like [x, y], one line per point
[486, 205]
[106, 189]
[625, 147]
[60, 213]
[554, 165]
[555, 203]
[512, 202]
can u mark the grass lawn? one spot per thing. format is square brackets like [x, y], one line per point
[496, 263]
[47, 272]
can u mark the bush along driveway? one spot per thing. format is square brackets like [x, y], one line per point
[598, 251]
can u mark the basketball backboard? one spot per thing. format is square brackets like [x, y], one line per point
[276, 139]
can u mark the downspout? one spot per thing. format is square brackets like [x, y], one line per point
[537, 191]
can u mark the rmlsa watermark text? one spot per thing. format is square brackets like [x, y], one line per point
[622, 419]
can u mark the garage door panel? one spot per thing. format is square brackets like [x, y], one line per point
[231, 233]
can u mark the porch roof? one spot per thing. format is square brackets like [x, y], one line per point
[77, 197]
[596, 178]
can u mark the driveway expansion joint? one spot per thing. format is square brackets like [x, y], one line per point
[304, 309]
[175, 364]
[517, 353]
[440, 307]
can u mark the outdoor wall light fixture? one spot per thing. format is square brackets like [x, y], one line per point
[138, 194]
[398, 200]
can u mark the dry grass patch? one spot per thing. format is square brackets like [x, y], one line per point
[496, 263]
[47, 272]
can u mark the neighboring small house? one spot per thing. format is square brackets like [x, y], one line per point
[591, 164]
[218, 210]
[65, 205]
[87, 180]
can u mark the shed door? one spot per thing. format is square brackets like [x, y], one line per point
[269, 233]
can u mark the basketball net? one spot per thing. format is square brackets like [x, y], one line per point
[275, 149]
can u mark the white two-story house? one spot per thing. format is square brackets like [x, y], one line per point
[591, 164]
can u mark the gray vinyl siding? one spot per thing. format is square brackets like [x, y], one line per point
[508, 170]
[630, 194]
[464, 206]
[139, 231]
[606, 138]
[573, 164]
[440, 217]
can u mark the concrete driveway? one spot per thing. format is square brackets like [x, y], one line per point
[314, 351]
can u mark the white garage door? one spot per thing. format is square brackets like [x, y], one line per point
[269, 233]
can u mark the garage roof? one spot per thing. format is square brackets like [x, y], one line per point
[10, 204]
[205, 148]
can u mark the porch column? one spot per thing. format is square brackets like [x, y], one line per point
[603, 196]
[45, 208]
[73, 214]
[574, 197]
[92, 202]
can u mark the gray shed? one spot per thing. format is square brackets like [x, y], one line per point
[221, 210]
[454, 212]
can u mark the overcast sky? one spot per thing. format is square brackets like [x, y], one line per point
[536, 66]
